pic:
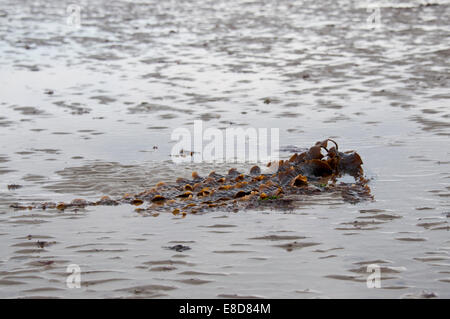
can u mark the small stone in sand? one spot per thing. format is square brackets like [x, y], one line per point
[179, 248]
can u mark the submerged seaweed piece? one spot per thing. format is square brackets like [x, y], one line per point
[313, 172]
[268, 197]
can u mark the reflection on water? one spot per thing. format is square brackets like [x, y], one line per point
[82, 109]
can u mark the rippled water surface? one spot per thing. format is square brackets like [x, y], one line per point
[82, 109]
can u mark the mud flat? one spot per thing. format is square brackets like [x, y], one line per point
[89, 111]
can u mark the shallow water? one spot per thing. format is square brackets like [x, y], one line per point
[136, 70]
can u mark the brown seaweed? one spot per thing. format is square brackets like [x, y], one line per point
[315, 171]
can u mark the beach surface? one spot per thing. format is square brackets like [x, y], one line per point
[88, 109]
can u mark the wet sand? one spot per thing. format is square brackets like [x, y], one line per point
[82, 110]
